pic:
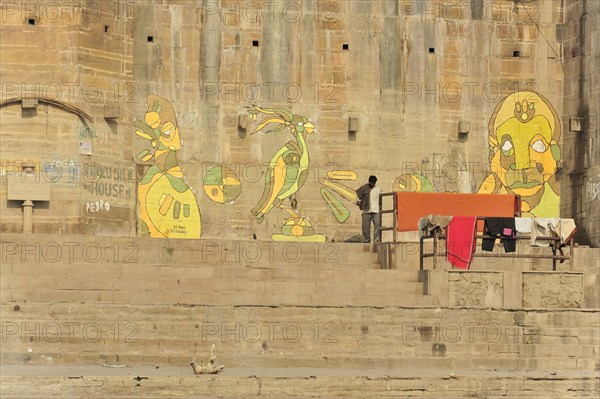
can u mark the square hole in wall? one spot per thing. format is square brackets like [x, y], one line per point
[31, 21]
[106, 28]
[150, 39]
[516, 53]
[255, 43]
[345, 46]
[431, 50]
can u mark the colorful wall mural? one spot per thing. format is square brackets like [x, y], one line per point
[222, 185]
[286, 174]
[524, 154]
[413, 182]
[339, 210]
[167, 206]
[524, 133]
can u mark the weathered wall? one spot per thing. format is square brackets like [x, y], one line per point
[544, 290]
[413, 74]
[580, 43]
[329, 337]
[476, 289]
[81, 57]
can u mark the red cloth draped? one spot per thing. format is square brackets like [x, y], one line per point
[460, 241]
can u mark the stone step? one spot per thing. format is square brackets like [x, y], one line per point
[117, 269]
[326, 336]
[225, 272]
[15, 241]
[565, 322]
[302, 295]
[159, 356]
[38, 382]
[268, 341]
[216, 285]
[286, 336]
[125, 254]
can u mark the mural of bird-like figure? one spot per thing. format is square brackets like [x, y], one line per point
[287, 171]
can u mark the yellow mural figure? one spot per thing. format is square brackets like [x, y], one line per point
[524, 131]
[413, 182]
[166, 204]
[286, 174]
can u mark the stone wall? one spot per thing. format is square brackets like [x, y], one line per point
[392, 338]
[579, 36]
[404, 90]
[476, 289]
[80, 59]
[545, 290]
[512, 289]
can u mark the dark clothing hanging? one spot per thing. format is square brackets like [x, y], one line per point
[499, 227]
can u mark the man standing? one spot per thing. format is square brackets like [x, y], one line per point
[368, 201]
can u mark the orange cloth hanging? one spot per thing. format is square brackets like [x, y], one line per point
[413, 206]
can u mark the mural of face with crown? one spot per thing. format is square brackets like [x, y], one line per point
[524, 131]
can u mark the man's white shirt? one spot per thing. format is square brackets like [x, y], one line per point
[374, 200]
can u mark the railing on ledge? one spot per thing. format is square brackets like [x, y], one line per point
[383, 248]
[393, 211]
[555, 246]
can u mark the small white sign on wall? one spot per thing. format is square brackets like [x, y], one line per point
[85, 148]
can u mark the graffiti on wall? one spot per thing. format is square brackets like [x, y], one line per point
[112, 181]
[86, 133]
[97, 206]
[286, 174]
[167, 206]
[222, 185]
[524, 133]
[593, 191]
[413, 182]
[331, 183]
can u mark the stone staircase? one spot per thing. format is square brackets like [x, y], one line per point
[123, 317]
[202, 272]
[283, 336]
[131, 350]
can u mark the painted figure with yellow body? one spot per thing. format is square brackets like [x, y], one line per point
[524, 133]
[286, 174]
[166, 204]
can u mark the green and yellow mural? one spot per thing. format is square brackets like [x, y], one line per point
[167, 206]
[524, 133]
[413, 182]
[339, 210]
[524, 154]
[222, 185]
[286, 174]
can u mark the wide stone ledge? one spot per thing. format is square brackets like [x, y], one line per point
[175, 382]
[511, 289]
